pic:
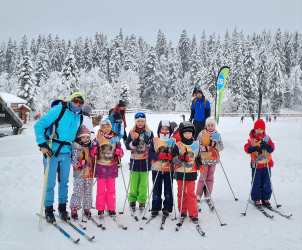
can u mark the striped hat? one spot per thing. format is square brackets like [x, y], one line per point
[106, 122]
[84, 131]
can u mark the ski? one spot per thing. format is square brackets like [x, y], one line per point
[163, 221]
[198, 228]
[97, 224]
[278, 212]
[61, 230]
[181, 221]
[79, 224]
[210, 204]
[133, 211]
[76, 229]
[261, 210]
[117, 222]
[148, 221]
[198, 208]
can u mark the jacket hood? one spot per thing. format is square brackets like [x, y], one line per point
[164, 123]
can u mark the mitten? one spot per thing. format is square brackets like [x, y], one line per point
[81, 164]
[136, 142]
[264, 145]
[207, 148]
[161, 156]
[119, 152]
[93, 152]
[147, 140]
[257, 149]
[184, 158]
[213, 144]
[46, 150]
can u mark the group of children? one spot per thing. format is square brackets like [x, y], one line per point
[173, 154]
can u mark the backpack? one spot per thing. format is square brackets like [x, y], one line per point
[205, 102]
[110, 111]
[53, 127]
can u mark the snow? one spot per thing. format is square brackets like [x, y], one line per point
[22, 177]
[9, 98]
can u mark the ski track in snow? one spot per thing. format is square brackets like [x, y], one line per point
[21, 182]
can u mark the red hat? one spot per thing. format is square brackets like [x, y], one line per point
[259, 124]
[83, 131]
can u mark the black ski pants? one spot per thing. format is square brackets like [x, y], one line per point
[198, 127]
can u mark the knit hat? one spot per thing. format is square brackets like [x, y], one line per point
[186, 126]
[121, 103]
[194, 91]
[117, 116]
[210, 120]
[106, 122]
[259, 124]
[86, 108]
[199, 91]
[84, 131]
[173, 126]
[77, 94]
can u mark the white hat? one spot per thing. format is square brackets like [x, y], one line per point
[210, 120]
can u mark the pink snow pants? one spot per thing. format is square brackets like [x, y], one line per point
[106, 194]
[208, 175]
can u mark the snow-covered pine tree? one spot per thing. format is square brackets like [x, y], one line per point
[24, 44]
[78, 52]
[203, 49]
[2, 58]
[287, 45]
[227, 51]
[131, 54]
[295, 49]
[262, 69]
[88, 61]
[184, 48]
[27, 81]
[125, 93]
[9, 55]
[96, 51]
[4, 83]
[211, 48]
[116, 57]
[195, 68]
[296, 82]
[33, 49]
[56, 55]
[70, 74]
[49, 42]
[150, 81]
[42, 68]
[161, 45]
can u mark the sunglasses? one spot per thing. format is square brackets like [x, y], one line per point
[78, 101]
[140, 115]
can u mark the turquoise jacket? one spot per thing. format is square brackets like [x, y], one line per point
[67, 128]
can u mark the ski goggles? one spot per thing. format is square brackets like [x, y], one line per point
[140, 116]
[77, 101]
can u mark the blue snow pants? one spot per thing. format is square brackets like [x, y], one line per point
[262, 189]
[157, 200]
[63, 160]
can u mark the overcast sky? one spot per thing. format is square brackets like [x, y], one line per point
[72, 18]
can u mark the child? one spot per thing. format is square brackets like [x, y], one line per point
[160, 154]
[107, 148]
[82, 173]
[138, 141]
[186, 155]
[260, 147]
[210, 143]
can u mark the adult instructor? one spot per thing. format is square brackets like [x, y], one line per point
[68, 119]
[200, 111]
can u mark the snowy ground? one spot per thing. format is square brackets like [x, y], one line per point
[21, 182]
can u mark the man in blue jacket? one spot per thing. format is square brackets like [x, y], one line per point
[67, 124]
[200, 111]
[117, 124]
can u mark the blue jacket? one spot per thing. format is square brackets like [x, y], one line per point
[198, 111]
[118, 127]
[67, 127]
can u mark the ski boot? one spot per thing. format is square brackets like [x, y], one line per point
[194, 218]
[258, 204]
[112, 213]
[100, 213]
[154, 213]
[63, 213]
[198, 199]
[166, 213]
[49, 216]
[133, 204]
[266, 203]
[184, 215]
[74, 213]
[141, 207]
[87, 214]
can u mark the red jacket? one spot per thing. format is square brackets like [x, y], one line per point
[255, 141]
[176, 135]
[118, 109]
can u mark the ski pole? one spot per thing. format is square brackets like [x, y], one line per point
[211, 199]
[268, 170]
[147, 172]
[129, 183]
[119, 159]
[83, 186]
[45, 184]
[144, 218]
[251, 187]
[92, 184]
[225, 175]
[171, 180]
[183, 186]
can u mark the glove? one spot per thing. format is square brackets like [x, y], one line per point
[81, 164]
[201, 169]
[119, 153]
[207, 148]
[190, 120]
[213, 144]
[164, 156]
[136, 142]
[147, 140]
[93, 152]
[264, 145]
[257, 149]
[46, 150]
[184, 158]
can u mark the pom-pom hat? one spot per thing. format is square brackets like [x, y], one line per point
[84, 131]
[210, 120]
[259, 124]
